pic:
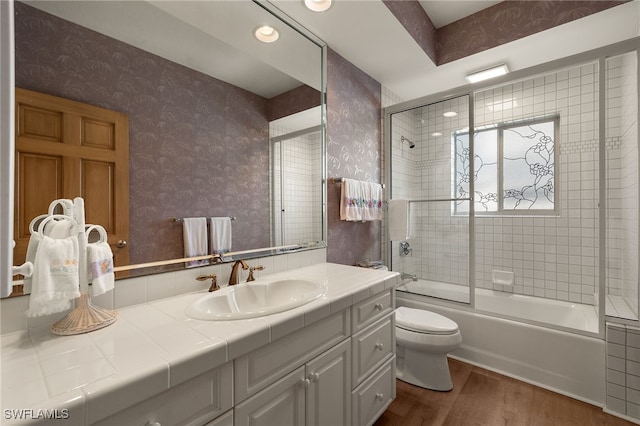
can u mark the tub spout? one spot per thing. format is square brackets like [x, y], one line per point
[405, 276]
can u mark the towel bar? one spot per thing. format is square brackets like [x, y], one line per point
[179, 219]
[340, 180]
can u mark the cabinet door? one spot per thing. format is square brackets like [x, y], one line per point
[282, 403]
[329, 390]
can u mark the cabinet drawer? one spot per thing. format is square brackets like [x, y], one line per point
[193, 402]
[372, 397]
[372, 347]
[371, 310]
[256, 370]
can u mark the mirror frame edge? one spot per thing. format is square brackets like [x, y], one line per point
[7, 123]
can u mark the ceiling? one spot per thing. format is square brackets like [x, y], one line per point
[367, 34]
[442, 12]
[364, 32]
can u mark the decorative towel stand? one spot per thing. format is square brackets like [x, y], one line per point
[85, 317]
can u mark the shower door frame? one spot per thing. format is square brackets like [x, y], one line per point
[420, 103]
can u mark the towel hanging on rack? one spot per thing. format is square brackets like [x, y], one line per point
[55, 280]
[194, 234]
[360, 201]
[99, 262]
[220, 234]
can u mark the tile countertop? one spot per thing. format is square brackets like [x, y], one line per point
[152, 347]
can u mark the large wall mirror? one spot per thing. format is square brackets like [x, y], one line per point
[219, 123]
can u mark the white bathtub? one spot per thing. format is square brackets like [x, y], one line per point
[551, 344]
[566, 316]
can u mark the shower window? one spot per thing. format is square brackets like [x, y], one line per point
[514, 167]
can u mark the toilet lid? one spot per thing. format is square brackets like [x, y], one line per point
[422, 321]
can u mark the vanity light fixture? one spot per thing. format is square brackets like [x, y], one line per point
[436, 134]
[318, 5]
[488, 73]
[450, 114]
[266, 34]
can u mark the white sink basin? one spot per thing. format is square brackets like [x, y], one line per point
[255, 299]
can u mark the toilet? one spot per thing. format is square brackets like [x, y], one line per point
[423, 340]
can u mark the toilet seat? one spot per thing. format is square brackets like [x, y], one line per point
[426, 322]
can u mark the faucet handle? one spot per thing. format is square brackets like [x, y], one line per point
[254, 268]
[214, 282]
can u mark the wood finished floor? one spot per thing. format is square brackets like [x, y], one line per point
[484, 398]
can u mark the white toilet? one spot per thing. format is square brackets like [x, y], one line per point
[423, 340]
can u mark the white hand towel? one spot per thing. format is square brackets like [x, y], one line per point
[55, 276]
[351, 200]
[194, 233]
[372, 209]
[32, 249]
[100, 265]
[220, 230]
[399, 225]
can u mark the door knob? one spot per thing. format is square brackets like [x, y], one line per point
[121, 243]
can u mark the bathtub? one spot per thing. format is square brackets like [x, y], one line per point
[552, 344]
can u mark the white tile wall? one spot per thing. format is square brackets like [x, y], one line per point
[302, 189]
[623, 370]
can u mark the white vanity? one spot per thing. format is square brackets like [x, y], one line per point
[328, 362]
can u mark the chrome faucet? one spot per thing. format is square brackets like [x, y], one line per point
[404, 276]
[212, 277]
[235, 273]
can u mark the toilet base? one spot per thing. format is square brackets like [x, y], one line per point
[429, 371]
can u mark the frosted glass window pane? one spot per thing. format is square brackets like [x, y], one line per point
[528, 167]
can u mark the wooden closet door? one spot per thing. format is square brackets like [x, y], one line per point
[67, 149]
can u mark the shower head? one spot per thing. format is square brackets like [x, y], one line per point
[411, 144]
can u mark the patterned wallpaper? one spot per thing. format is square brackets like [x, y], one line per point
[198, 146]
[508, 21]
[353, 151]
[502, 23]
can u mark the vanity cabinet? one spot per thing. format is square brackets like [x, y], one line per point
[317, 393]
[320, 374]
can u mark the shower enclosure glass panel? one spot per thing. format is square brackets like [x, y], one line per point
[423, 171]
[296, 173]
[622, 185]
[547, 231]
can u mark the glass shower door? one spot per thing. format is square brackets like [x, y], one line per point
[427, 170]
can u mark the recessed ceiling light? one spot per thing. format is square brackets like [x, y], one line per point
[318, 5]
[450, 114]
[492, 72]
[266, 34]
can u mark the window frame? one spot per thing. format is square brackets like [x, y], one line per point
[500, 128]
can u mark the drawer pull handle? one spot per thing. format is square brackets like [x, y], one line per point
[379, 346]
[152, 423]
[378, 306]
[306, 383]
[379, 396]
[314, 377]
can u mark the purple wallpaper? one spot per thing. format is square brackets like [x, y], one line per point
[198, 146]
[353, 151]
[508, 21]
[502, 23]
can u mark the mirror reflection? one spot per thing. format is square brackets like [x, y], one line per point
[214, 122]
